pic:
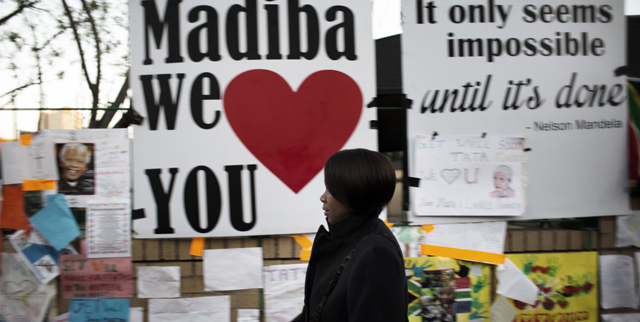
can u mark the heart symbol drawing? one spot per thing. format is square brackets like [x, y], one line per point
[450, 175]
[19, 290]
[293, 133]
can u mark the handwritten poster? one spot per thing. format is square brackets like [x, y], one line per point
[22, 296]
[83, 277]
[544, 71]
[195, 309]
[443, 289]
[91, 162]
[618, 282]
[469, 176]
[283, 291]
[108, 228]
[567, 283]
[99, 310]
[40, 256]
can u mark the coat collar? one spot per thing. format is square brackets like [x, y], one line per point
[347, 226]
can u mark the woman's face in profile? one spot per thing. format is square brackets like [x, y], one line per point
[333, 209]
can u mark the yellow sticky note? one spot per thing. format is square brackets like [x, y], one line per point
[305, 254]
[388, 224]
[25, 139]
[197, 246]
[428, 228]
[303, 241]
[35, 185]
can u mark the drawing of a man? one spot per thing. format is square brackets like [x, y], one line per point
[501, 181]
[73, 161]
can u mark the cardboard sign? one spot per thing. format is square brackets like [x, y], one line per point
[244, 101]
[542, 71]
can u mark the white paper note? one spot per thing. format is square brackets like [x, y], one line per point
[284, 291]
[628, 231]
[512, 283]
[14, 163]
[621, 317]
[248, 315]
[617, 282]
[158, 282]
[136, 314]
[61, 318]
[502, 310]
[195, 309]
[232, 269]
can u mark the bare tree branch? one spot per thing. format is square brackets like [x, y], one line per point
[22, 5]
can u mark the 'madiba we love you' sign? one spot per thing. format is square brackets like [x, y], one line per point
[243, 102]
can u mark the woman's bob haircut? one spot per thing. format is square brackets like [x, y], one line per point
[362, 180]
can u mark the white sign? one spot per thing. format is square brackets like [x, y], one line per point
[541, 71]
[468, 176]
[243, 103]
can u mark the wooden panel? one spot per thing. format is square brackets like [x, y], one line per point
[547, 238]
[285, 247]
[532, 240]
[168, 249]
[562, 240]
[152, 249]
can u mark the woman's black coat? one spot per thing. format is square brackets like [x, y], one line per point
[373, 286]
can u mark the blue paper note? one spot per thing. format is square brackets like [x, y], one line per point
[56, 222]
[99, 310]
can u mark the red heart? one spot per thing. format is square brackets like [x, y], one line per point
[293, 133]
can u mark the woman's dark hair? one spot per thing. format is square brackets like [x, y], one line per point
[362, 180]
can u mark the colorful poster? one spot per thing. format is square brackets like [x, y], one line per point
[108, 228]
[22, 296]
[99, 310]
[543, 71]
[446, 290]
[284, 291]
[83, 277]
[248, 114]
[41, 257]
[90, 163]
[410, 239]
[567, 283]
